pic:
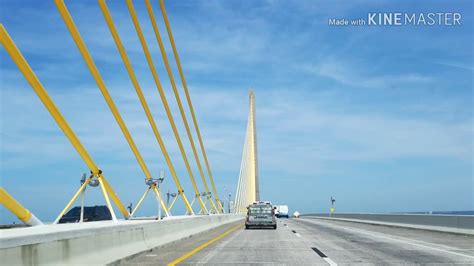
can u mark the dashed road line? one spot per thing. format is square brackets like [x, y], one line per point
[413, 242]
[296, 234]
[324, 257]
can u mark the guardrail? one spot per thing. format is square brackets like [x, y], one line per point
[463, 224]
[99, 242]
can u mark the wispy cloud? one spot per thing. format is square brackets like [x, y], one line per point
[358, 75]
[458, 65]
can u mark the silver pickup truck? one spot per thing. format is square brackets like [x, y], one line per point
[260, 215]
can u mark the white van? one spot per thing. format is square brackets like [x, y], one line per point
[281, 211]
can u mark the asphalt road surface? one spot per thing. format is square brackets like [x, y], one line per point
[313, 242]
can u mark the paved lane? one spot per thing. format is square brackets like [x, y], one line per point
[316, 242]
[351, 243]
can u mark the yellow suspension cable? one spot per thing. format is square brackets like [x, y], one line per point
[34, 82]
[190, 104]
[163, 98]
[100, 83]
[146, 108]
[16, 208]
[30, 76]
[178, 100]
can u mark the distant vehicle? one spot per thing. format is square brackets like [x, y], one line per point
[93, 213]
[262, 202]
[296, 214]
[260, 214]
[281, 211]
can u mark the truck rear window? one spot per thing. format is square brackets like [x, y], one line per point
[260, 210]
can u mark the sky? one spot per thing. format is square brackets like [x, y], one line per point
[379, 117]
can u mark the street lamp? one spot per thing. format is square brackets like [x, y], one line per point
[333, 200]
[225, 192]
[168, 195]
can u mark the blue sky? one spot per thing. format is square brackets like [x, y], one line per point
[378, 117]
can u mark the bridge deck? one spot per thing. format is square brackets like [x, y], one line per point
[317, 242]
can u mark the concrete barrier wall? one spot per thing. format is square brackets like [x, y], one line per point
[98, 242]
[446, 223]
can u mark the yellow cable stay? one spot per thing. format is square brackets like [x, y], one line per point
[42, 94]
[190, 104]
[16, 208]
[146, 108]
[163, 99]
[178, 100]
[103, 89]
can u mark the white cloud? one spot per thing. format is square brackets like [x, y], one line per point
[359, 75]
[296, 125]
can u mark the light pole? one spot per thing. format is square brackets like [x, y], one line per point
[160, 180]
[333, 200]
[225, 193]
[168, 194]
[83, 180]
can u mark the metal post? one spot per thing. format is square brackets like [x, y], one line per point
[140, 201]
[107, 200]
[72, 200]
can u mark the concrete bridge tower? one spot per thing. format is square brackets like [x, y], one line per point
[248, 189]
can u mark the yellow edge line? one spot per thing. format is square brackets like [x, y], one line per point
[196, 250]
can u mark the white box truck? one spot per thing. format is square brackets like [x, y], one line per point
[281, 211]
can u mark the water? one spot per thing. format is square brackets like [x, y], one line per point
[442, 212]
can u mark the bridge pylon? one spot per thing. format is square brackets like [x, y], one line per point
[248, 190]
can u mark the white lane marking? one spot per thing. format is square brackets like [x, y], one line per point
[330, 261]
[408, 239]
[405, 240]
[151, 255]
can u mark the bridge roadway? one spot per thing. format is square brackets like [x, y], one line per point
[309, 241]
